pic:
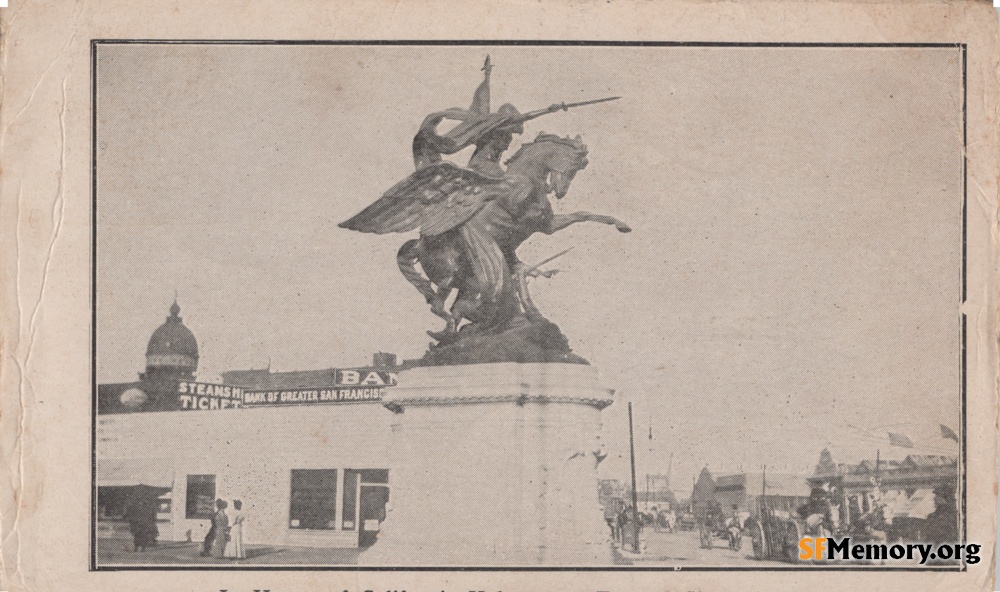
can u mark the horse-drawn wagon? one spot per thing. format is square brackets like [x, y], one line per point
[776, 537]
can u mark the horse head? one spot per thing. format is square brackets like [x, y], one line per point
[562, 158]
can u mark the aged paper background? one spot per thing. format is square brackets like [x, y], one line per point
[45, 207]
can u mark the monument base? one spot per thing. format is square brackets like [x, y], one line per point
[495, 465]
[522, 340]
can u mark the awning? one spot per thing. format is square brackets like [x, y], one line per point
[154, 472]
[920, 505]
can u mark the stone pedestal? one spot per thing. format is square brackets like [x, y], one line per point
[495, 465]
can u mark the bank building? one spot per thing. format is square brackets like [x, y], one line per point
[306, 451]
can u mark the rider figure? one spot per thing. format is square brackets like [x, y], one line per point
[735, 519]
[818, 512]
[734, 529]
[491, 133]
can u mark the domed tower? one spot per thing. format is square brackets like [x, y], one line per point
[172, 353]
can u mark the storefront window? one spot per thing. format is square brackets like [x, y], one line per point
[200, 496]
[111, 501]
[372, 476]
[352, 479]
[314, 499]
[164, 504]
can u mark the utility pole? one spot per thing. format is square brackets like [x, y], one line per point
[635, 496]
[763, 492]
[691, 504]
[650, 457]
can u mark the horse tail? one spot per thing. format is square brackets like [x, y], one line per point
[407, 258]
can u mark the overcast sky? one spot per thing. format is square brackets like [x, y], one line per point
[794, 267]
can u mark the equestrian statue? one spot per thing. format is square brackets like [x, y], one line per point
[472, 220]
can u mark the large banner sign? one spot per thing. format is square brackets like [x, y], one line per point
[200, 395]
[363, 377]
[306, 396]
[349, 386]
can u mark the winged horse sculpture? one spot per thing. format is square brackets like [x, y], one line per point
[472, 220]
[471, 226]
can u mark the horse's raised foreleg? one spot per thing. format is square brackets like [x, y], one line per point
[560, 221]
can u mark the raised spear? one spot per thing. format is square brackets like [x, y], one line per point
[522, 284]
[561, 107]
[541, 263]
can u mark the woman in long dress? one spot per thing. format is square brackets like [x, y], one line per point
[235, 548]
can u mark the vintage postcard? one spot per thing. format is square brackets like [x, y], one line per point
[381, 296]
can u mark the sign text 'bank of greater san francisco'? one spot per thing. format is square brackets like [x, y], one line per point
[349, 386]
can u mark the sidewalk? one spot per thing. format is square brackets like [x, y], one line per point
[117, 552]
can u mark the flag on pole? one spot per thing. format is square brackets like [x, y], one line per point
[900, 440]
[481, 100]
[948, 433]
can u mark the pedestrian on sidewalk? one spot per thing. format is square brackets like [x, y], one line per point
[235, 548]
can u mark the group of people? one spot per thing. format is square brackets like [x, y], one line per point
[622, 520]
[664, 519]
[625, 524]
[713, 523]
[225, 536]
[821, 513]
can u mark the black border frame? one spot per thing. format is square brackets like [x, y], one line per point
[963, 464]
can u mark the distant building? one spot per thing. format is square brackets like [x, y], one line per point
[619, 494]
[610, 490]
[918, 492]
[657, 493]
[703, 494]
[383, 366]
[171, 356]
[782, 493]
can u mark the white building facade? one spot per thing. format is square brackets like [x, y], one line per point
[309, 475]
[305, 452]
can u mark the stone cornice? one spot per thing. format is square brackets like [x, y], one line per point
[497, 384]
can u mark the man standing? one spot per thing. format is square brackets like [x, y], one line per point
[611, 517]
[220, 522]
[214, 531]
[206, 546]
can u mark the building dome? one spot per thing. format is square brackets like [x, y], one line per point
[173, 345]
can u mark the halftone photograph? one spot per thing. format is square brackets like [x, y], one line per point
[530, 306]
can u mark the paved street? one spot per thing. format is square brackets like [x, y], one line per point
[681, 549]
[678, 549]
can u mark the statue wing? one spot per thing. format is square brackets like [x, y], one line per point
[488, 263]
[434, 199]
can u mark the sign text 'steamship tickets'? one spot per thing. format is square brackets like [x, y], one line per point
[204, 396]
[350, 386]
